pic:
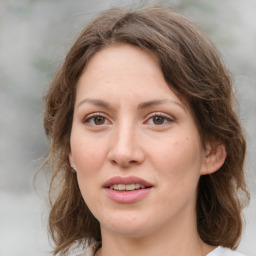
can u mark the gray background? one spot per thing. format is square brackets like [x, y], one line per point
[34, 38]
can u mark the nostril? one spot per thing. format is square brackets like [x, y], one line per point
[114, 162]
[125, 156]
[124, 163]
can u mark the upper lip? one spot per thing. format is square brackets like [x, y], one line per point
[126, 180]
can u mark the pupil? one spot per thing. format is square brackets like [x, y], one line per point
[99, 120]
[158, 120]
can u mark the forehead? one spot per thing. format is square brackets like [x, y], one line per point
[122, 56]
[122, 67]
[125, 69]
[120, 64]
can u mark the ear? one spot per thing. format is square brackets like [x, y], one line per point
[214, 158]
[71, 161]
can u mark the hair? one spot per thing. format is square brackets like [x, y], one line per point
[193, 69]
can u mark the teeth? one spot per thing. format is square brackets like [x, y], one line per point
[121, 187]
[137, 186]
[129, 187]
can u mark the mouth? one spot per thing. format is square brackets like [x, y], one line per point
[127, 190]
[124, 184]
[127, 187]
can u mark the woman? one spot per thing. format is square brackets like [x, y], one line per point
[146, 153]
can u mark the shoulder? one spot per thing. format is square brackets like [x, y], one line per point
[87, 252]
[221, 251]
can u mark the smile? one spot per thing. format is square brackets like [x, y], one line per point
[126, 183]
[128, 187]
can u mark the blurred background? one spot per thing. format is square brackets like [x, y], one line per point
[35, 35]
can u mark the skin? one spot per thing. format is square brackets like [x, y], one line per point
[160, 143]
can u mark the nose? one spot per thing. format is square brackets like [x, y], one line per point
[125, 150]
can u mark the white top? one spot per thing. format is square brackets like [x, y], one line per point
[219, 251]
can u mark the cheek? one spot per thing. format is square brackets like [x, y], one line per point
[179, 162]
[179, 171]
[180, 151]
[88, 157]
[88, 163]
[88, 153]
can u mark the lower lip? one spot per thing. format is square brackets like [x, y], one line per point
[127, 196]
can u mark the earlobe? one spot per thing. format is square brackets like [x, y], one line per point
[71, 161]
[214, 158]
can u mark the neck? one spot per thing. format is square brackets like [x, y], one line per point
[180, 239]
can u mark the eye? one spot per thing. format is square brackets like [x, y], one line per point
[96, 119]
[159, 119]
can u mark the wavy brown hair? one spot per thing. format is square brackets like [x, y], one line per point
[194, 71]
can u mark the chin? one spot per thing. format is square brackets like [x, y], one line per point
[128, 231]
[130, 225]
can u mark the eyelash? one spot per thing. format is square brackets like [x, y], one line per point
[167, 119]
[92, 116]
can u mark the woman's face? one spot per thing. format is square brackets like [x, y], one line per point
[134, 144]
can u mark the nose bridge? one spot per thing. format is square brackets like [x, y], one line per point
[124, 137]
[125, 149]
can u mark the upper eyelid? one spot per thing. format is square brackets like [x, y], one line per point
[169, 119]
[148, 116]
[160, 114]
[96, 114]
[91, 115]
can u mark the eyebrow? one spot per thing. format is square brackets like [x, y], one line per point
[143, 105]
[150, 103]
[95, 102]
